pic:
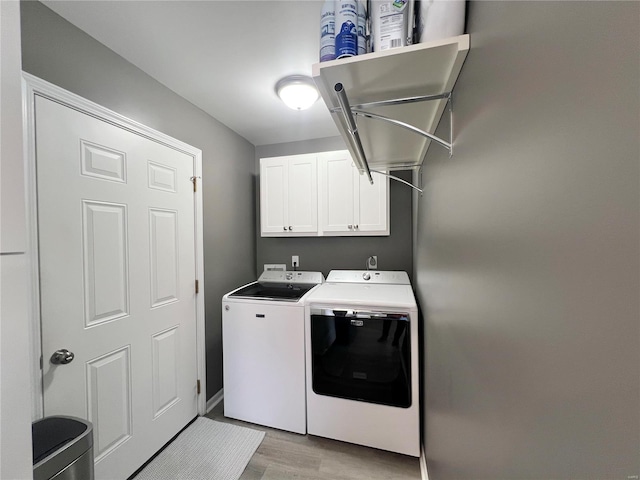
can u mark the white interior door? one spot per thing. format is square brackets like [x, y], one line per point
[117, 273]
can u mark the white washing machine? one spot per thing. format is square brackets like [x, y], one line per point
[263, 350]
[362, 360]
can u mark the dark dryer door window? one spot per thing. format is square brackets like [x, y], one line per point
[361, 356]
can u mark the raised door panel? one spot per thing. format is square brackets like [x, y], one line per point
[109, 401]
[336, 192]
[165, 370]
[102, 162]
[303, 194]
[164, 252]
[274, 195]
[372, 205]
[162, 177]
[105, 259]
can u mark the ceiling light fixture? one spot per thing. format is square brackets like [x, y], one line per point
[297, 91]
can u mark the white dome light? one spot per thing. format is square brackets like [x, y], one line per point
[297, 92]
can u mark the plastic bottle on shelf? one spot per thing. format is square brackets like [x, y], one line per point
[328, 31]
[392, 24]
[362, 27]
[346, 28]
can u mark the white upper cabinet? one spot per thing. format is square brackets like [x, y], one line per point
[349, 205]
[371, 205]
[336, 179]
[321, 195]
[288, 196]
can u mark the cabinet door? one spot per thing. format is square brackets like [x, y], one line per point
[372, 204]
[274, 195]
[303, 194]
[336, 192]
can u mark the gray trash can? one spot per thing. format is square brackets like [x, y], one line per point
[62, 449]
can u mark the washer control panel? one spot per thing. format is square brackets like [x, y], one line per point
[306, 278]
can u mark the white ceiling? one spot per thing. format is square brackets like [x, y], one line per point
[223, 56]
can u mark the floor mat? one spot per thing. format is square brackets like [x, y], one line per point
[206, 450]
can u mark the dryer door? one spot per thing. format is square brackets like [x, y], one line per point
[362, 356]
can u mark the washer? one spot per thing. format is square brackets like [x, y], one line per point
[362, 360]
[263, 350]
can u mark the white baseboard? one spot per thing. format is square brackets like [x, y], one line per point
[215, 400]
[423, 464]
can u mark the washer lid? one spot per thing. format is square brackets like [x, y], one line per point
[282, 292]
[279, 286]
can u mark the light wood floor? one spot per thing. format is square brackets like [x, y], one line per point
[287, 456]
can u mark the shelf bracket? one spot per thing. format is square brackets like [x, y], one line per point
[393, 177]
[408, 126]
[358, 111]
[352, 127]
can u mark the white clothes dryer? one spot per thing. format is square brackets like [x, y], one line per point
[362, 360]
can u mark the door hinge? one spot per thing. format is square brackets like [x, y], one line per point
[197, 286]
[41, 363]
[198, 386]
[194, 180]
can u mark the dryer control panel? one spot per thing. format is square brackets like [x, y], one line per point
[368, 276]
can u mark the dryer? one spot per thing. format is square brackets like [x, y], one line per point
[362, 360]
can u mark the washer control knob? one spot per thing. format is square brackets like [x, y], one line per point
[366, 276]
[289, 276]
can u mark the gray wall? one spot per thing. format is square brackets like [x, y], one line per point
[323, 254]
[60, 53]
[527, 256]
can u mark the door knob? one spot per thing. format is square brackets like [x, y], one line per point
[62, 357]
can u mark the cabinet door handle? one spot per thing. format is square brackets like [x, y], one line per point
[350, 226]
[357, 227]
[290, 228]
[284, 228]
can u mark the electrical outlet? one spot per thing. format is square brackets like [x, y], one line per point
[295, 261]
[372, 262]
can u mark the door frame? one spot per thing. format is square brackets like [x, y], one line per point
[33, 87]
